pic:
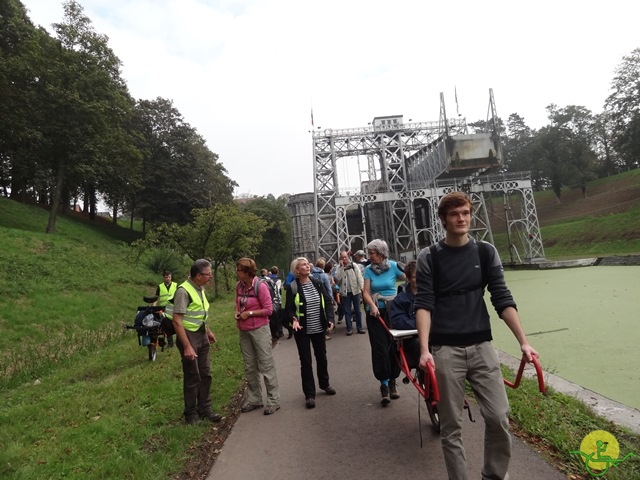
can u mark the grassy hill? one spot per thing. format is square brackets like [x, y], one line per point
[78, 396]
[604, 223]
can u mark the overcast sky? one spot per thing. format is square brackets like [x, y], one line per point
[246, 73]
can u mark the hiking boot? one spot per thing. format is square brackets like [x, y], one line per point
[192, 419]
[393, 390]
[384, 391]
[271, 409]
[212, 417]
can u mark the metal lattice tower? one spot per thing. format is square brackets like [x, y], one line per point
[410, 167]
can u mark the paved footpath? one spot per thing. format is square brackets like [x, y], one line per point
[349, 435]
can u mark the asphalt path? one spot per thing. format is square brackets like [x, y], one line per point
[349, 435]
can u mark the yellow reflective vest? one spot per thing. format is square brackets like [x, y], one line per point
[197, 311]
[166, 293]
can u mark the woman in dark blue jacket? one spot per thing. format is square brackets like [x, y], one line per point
[403, 317]
[309, 310]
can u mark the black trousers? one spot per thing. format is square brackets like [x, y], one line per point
[383, 349]
[197, 376]
[304, 343]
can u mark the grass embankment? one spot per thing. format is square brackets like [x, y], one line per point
[605, 223]
[100, 409]
[78, 396]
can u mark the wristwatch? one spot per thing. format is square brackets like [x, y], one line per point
[251, 313]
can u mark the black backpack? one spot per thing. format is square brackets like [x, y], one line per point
[276, 301]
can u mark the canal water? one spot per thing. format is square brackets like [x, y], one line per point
[584, 322]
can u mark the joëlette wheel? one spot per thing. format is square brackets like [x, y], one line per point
[433, 414]
[153, 353]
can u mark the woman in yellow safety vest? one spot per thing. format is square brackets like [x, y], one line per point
[309, 309]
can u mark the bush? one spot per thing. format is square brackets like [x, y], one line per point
[165, 259]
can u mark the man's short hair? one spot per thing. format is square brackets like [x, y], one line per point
[198, 266]
[453, 200]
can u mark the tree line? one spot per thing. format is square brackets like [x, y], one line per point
[70, 130]
[579, 145]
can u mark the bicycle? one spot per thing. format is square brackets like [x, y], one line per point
[148, 325]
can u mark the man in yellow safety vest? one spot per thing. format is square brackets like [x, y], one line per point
[190, 310]
[165, 291]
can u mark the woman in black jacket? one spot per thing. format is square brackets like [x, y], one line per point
[309, 310]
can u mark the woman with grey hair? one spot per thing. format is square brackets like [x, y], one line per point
[309, 309]
[380, 278]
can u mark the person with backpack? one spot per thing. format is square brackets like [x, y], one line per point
[165, 291]
[253, 308]
[350, 283]
[275, 322]
[319, 274]
[455, 335]
[274, 276]
[310, 312]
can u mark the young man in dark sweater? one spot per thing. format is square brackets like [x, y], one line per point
[451, 315]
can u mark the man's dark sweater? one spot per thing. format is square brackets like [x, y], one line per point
[459, 314]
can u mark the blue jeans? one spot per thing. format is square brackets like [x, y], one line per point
[351, 303]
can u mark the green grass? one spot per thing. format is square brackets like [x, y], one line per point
[554, 424]
[614, 234]
[78, 396]
[79, 399]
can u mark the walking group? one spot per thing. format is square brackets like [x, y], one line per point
[442, 297]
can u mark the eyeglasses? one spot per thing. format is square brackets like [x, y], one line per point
[206, 274]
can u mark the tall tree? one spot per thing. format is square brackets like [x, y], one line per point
[603, 133]
[517, 138]
[20, 61]
[179, 172]
[275, 247]
[623, 105]
[85, 89]
[575, 125]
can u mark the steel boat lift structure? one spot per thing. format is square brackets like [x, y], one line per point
[410, 166]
